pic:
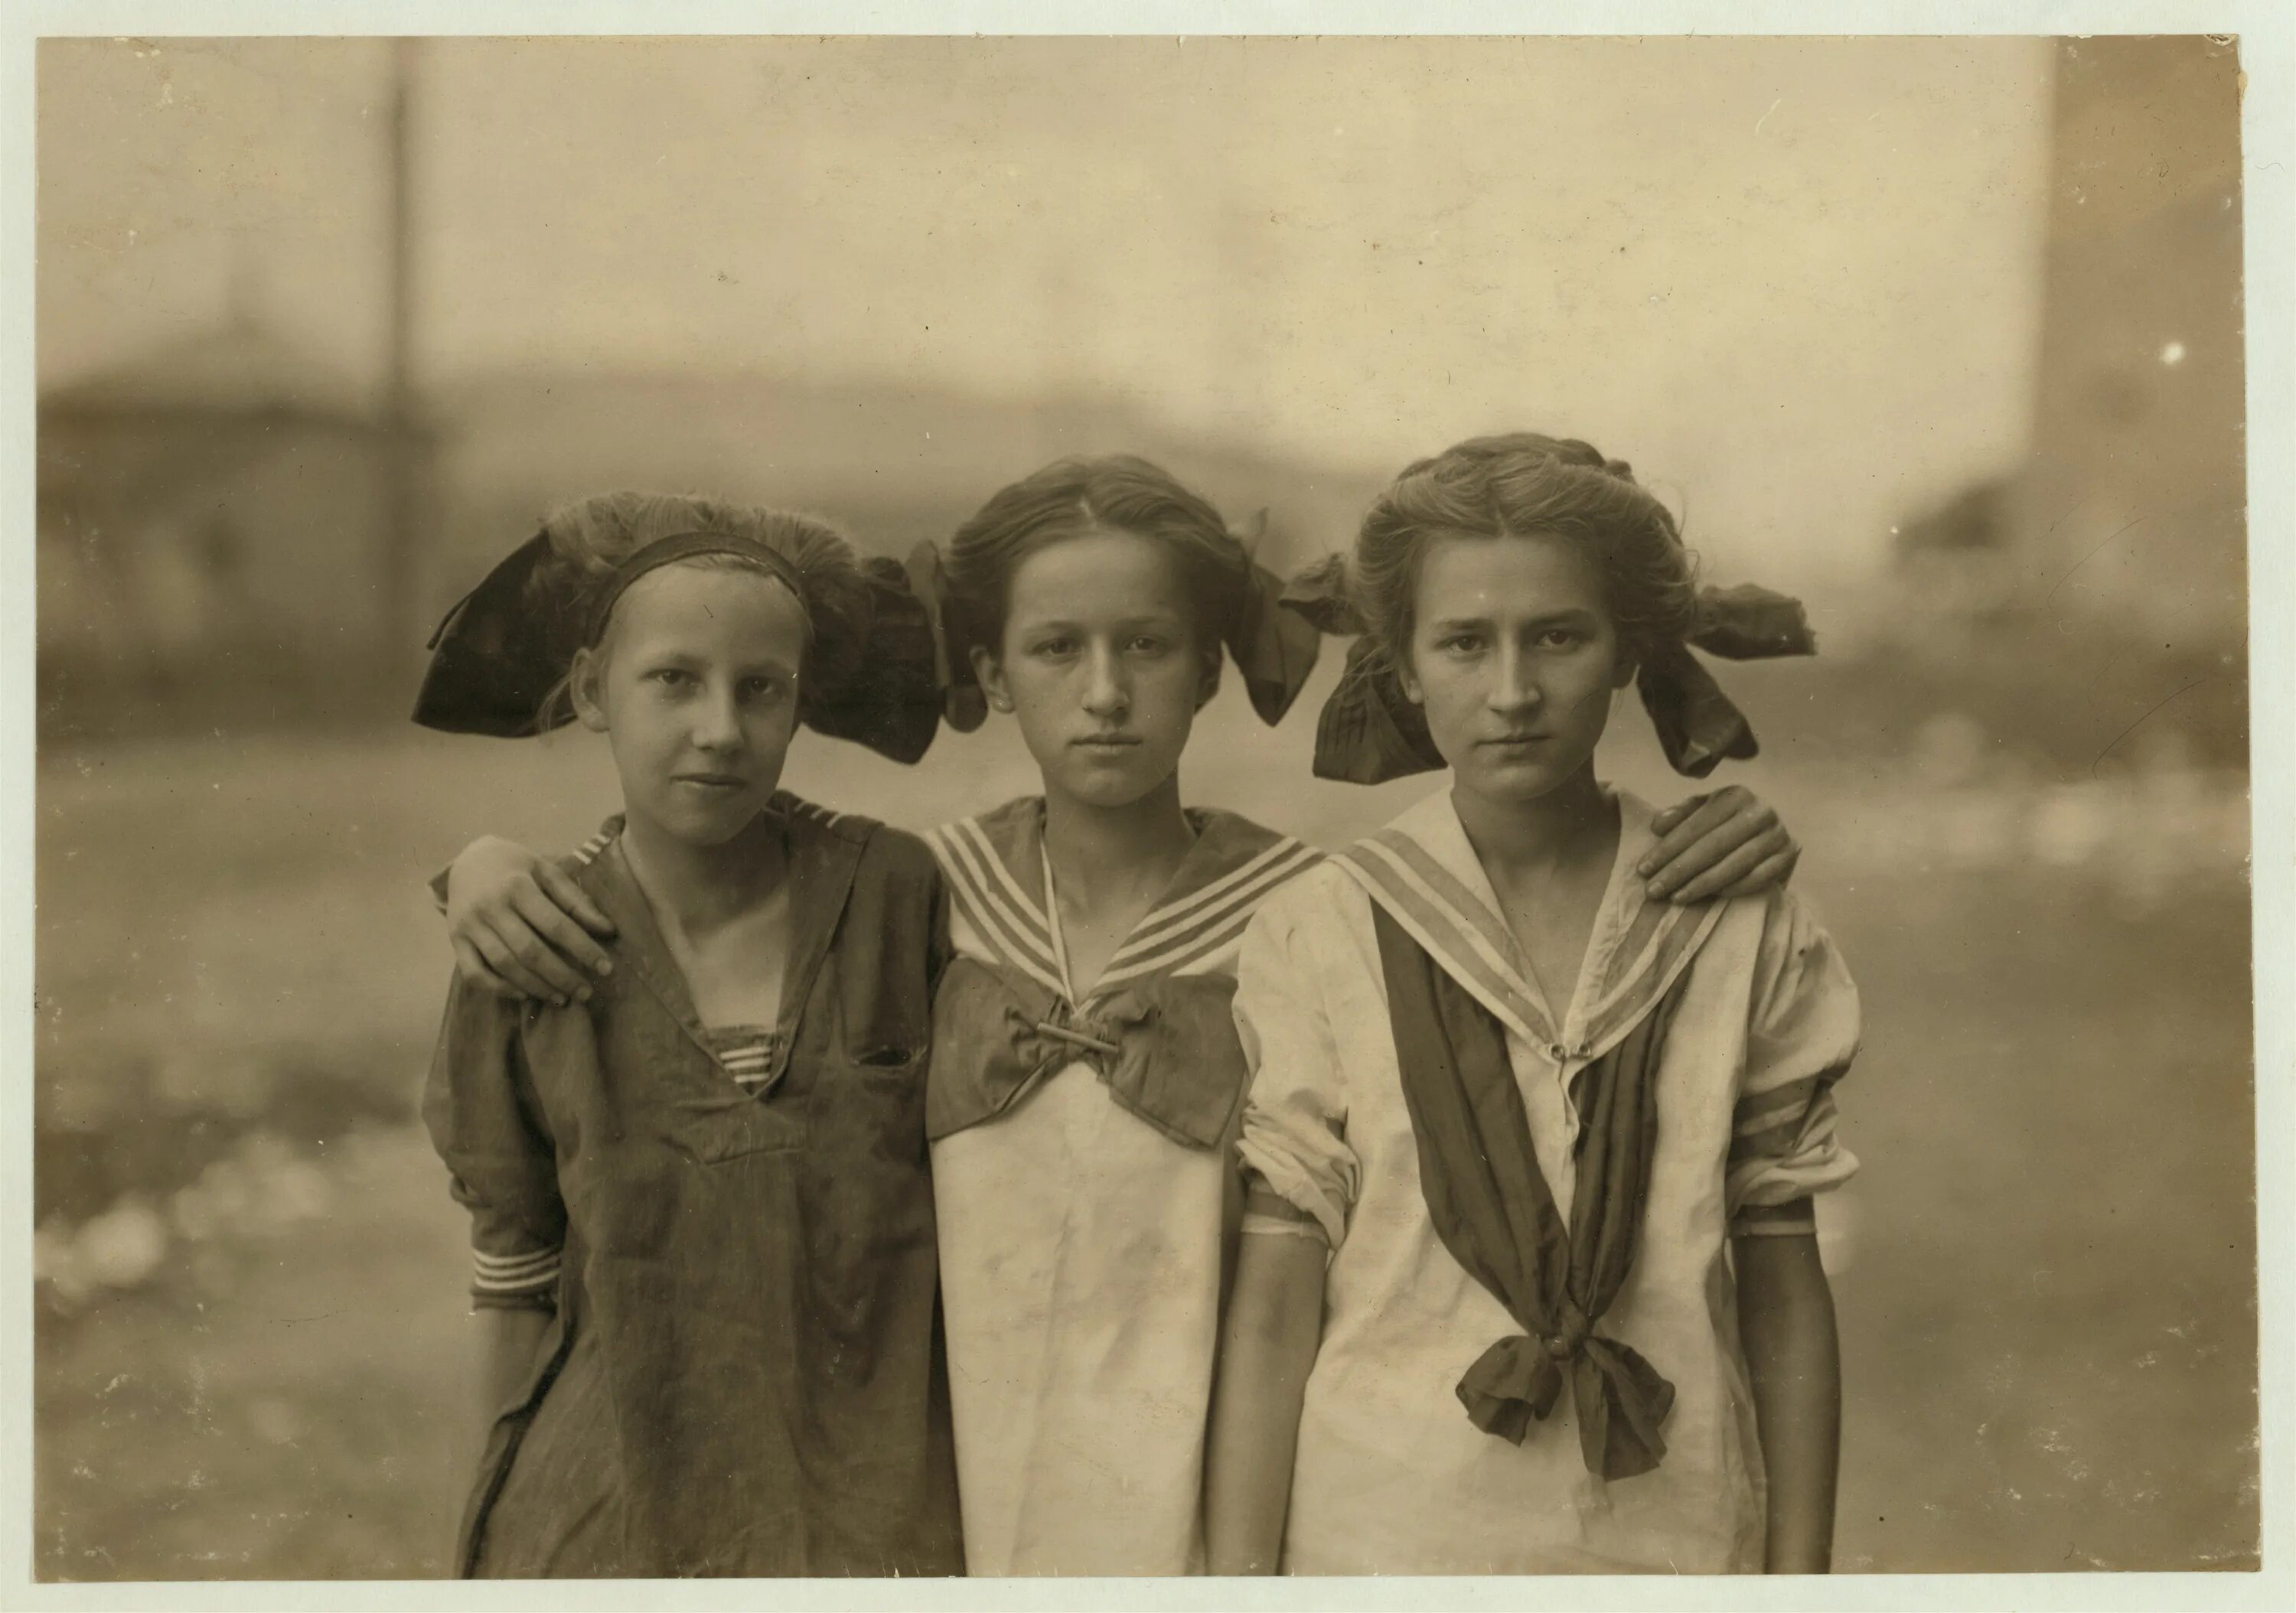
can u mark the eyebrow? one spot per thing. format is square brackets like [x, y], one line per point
[1573, 615]
[1069, 625]
[673, 657]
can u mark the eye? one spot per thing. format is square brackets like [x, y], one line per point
[1561, 638]
[1459, 644]
[1054, 647]
[672, 677]
[1149, 643]
[763, 690]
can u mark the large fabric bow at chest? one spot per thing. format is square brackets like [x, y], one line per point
[1166, 1048]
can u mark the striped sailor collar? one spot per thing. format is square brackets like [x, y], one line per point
[1000, 877]
[1423, 871]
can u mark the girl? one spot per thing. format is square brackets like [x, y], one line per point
[702, 1222]
[1515, 1130]
[1086, 1074]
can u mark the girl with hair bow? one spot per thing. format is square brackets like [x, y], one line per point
[1530, 1281]
[700, 1214]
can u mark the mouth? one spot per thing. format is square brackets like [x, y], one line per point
[1516, 741]
[713, 781]
[1106, 741]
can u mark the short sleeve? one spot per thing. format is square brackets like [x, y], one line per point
[1299, 1174]
[482, 1114]
[1802, 1034]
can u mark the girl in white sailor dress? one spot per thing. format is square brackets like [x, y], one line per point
[1086, 1075]
[1529, 1283]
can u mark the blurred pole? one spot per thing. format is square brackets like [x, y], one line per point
[402, 539]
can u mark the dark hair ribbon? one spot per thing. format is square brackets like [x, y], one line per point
[963, 706]
[1371, 731]
[505, 646]
[684, 546]
[1274, 649]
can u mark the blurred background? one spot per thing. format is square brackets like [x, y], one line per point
[1944, 335]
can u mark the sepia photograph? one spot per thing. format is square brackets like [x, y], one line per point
[938, 806]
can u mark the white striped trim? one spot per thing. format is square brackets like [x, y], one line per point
[802, 808]
[505, 1265]
[1493, 982]
[1221, 928]
[514, 1273]
[588, 852]
[999, 931]
[1246, 884]
[991, 869]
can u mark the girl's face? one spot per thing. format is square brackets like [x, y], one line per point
[696, 691]
[1514, 657]
[1101, 664]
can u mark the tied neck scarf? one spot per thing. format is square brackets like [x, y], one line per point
[1495, 1213]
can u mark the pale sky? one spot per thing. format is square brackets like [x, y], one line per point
[1794, 280]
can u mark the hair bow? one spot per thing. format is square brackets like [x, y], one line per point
[1370, 730]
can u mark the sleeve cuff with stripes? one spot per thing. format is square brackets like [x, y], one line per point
[526, 1280]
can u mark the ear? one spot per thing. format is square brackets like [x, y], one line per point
[1407, 681]
[1207, 683]
[988, 672]
[582, 688]
[1624, 672]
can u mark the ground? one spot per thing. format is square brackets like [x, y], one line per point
[251, 1347]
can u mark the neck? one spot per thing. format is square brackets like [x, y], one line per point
[1573, 821]
[1108, 854]
[697, 888]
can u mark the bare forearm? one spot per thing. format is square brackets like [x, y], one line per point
[509, 1340]
[1267, 1348]
[1793, 1359]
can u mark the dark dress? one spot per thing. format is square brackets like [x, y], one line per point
[745, 1373]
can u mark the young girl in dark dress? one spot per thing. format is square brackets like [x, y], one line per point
[702, 1221]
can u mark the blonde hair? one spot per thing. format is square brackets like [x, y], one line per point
[591, 538]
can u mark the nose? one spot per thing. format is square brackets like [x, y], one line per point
[1514, 686]
[1106, 694]
[717, 721]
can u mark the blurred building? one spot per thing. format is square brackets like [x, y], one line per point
[2130, 508]
[894, 462]
[2092, 602]
[2136, 496]
[213, 514]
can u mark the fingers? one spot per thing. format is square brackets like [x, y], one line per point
[562, 888]
[1718, 827]
[520, 957]
[537, 906]
[1663, 821]
[1735, 875]
[473, 971]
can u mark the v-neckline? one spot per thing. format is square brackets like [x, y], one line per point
[1423, 870]
[1601, 935]
[818, 884]
[1051, 907]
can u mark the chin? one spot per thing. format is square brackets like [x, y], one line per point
[1517, 786]
[1111, 787]
[706, 829]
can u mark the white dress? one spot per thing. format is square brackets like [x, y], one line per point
[1084, 1196]
[1390, 1476]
